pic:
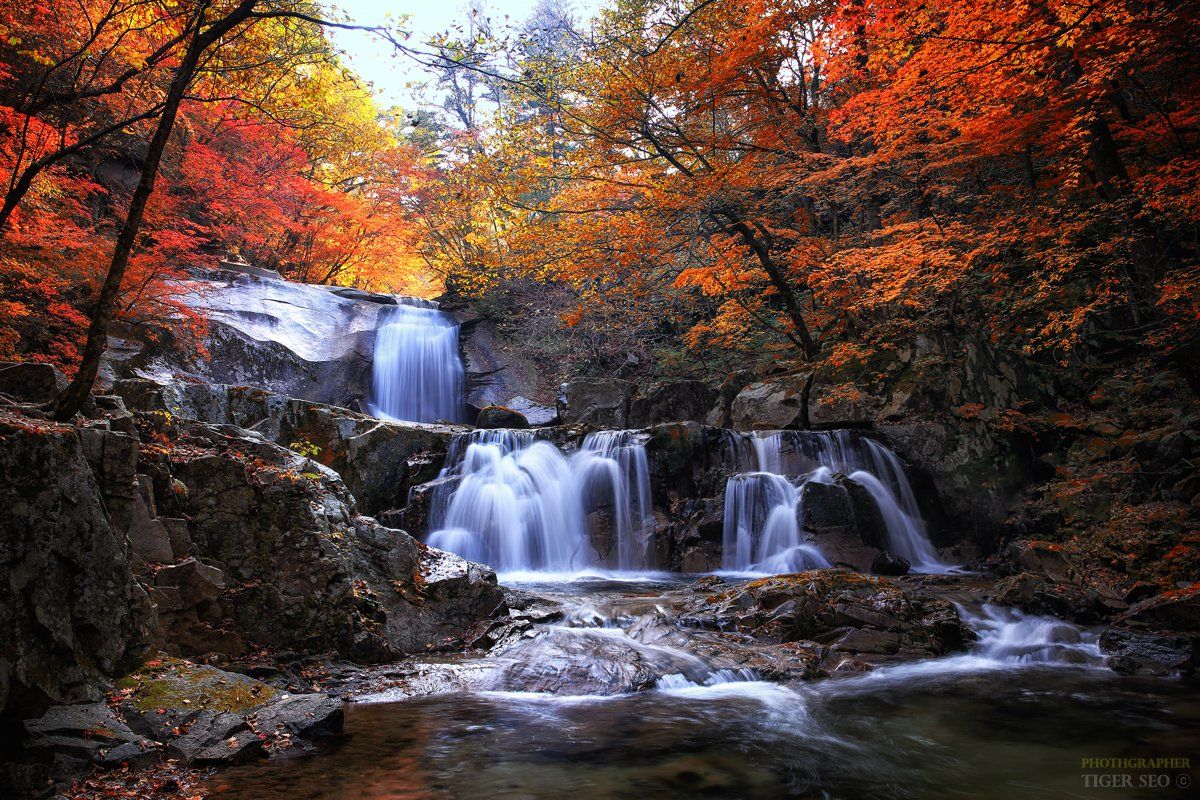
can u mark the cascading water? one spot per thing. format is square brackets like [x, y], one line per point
[417, 372]
[761, 528]
[613, 471]
[762, 533]
[515, 503]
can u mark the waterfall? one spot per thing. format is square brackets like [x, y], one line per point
[521, 504]
[417, 373]
[612, 468]
[762, 533]
[1008, 636]
[761, 528]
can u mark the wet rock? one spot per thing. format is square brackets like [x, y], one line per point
[822, 605]
[415, 516]
[1133, 652]
[588, 661]
[309, 716]
[599, 402]
[71, 612]
[868, 520]
[671, 401]
[527, 605]
[28, 382]
[887, 564]
[500, 417]
[1038, 594]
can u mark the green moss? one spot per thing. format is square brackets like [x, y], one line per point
[172, 683]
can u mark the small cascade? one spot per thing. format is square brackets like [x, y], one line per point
[762, 532]
[1010, 637]
[521, 504]
[417, 371]
[516, 505]
[613, 471]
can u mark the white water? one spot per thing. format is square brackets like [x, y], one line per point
[521, 504]
[762, 532]
[417, 372]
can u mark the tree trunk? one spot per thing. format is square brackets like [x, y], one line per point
[779, 281]
[67, 404]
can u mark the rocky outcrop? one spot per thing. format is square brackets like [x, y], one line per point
[856, 616]
[598, 402]
[28, 382]
[297, 340]
[298, 567]
[378, 460]
[72, 614]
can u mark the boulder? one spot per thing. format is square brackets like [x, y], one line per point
[588, 661]
[767, 405]
[853, 612]
[598, 402]
[1133, 652]
[309, 716]
[1173, 610]
[29, 382]
[671, 401]
[887, 564]
[827, 513]
[500, 417]
[72, 614]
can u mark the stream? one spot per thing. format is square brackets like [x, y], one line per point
[1013, 716]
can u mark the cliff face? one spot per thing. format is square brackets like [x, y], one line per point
[147, 531]
[298, 340]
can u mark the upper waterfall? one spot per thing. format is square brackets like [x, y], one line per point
[418, 372]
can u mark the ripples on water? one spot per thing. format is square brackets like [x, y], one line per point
[1012, 718]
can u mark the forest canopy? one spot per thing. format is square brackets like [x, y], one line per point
[696, 184]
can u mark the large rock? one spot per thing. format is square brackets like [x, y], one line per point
[71, 612]
[769, 406]
[855, 614]
[671, 401]
[827, 512]
[27, 382]
[500, 417]
[302, 570]
[298, 340]
[599, 402]
[588, 661]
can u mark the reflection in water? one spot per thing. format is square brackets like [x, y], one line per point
[983, 735]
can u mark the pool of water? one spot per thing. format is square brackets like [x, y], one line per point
[997, 723]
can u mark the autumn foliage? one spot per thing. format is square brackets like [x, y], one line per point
[280, 155]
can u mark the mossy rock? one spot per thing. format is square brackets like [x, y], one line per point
[172, 683]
